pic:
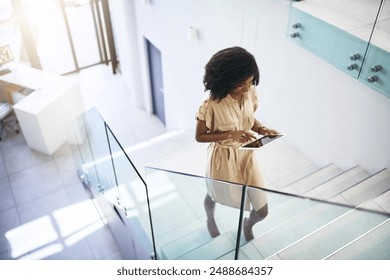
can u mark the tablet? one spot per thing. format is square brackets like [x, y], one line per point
[260, 142]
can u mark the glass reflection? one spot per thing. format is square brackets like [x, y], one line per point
[356, 17]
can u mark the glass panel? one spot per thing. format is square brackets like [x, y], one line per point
[289, 219]
[290, 227]
[381, 36]
[376, 70]
[82, 27]
[354, 17]
[338, 31]
[180, 224]
[110, 173]
[93, 148]
[79, 144]
[101, 159]
[132, 196]
[302, 228]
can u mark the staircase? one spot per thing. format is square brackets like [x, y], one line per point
[356, 226]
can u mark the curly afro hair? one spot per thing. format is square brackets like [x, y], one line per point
[227, 69]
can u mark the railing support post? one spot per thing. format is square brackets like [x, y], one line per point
[240, 222]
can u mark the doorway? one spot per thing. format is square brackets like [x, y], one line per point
[156, 80]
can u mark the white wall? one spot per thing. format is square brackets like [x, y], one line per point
[327, 114]
[126, 38]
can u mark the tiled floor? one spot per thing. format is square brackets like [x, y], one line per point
[44, 211]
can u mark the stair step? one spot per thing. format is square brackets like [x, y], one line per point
[368, 189]
[174, 235]
[378, 204]
[333, 236]
[316, 178]
[282, 213]
[342, 182]
[186, 244]
[375, 245]
[212, 250]
[297, 227]
[280, 160]
[160, 148]
[384, 201]
[192, 160]
[277, 199]
[248, 252]
[372, 206]
[294, 177]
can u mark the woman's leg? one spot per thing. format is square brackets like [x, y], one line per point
[254, 217]
[209, 206]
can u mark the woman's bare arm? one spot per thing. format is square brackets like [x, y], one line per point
[202, 134]
[262, 129]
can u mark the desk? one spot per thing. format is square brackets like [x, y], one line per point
[44, 113]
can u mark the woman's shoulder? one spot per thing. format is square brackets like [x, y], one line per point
[205, 103]
[208, 101]
[205, 108]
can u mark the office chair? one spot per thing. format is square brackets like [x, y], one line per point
[5, 118]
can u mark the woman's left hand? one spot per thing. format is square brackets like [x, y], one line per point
[269, 131]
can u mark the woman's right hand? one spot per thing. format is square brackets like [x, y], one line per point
[241, 136]
[202, 134]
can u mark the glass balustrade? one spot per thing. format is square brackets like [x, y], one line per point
[172, 215]
[107, 171]
[294, 227]
[94, 154]
[179, 213]
[133, 198]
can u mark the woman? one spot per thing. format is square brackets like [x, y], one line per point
[226, 119]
